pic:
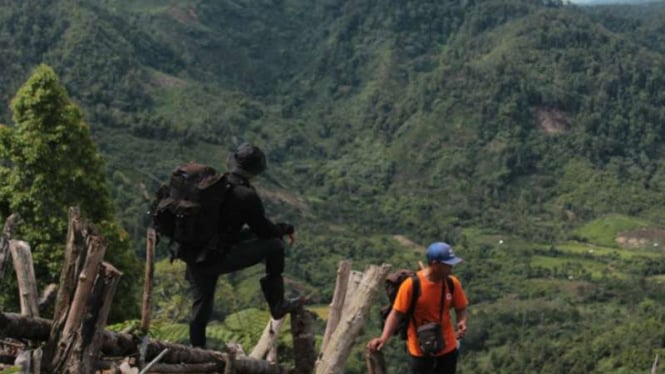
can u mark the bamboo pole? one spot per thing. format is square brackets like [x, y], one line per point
[341, 285]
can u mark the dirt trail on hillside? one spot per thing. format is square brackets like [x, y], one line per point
[403, 240]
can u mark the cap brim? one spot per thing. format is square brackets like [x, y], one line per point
[453, 261]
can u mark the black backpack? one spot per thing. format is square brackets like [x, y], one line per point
[391, 284]
[187, 210]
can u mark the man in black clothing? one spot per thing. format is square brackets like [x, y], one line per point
[246, 237]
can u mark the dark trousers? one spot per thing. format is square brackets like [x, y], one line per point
[203, 277]
[446, 364]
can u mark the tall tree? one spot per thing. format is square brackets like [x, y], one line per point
[49, 162]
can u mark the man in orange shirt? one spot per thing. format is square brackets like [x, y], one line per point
[433, 304]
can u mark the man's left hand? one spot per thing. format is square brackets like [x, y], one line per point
[461, 329]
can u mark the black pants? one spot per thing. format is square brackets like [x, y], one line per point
[203, 277]
[446, 364]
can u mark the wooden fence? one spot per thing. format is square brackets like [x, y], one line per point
[75, 339]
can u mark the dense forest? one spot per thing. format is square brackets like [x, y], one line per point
[529, 134]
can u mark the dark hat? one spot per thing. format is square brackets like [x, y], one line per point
[443, 253]
[249, 158]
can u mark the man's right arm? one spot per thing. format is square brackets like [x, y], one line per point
[392, 323]
[260, 224]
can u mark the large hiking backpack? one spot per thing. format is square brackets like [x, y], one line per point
[187, 209]
[391, 284]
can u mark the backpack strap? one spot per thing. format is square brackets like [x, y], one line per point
[451, 285]
[443, 297]
[415, 294]
[451, 288]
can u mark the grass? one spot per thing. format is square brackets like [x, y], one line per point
[603, 231]
[321, 310]
[575, 268]
[594, 251]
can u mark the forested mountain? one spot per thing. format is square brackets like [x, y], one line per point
[469, 121]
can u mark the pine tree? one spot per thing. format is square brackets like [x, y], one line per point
[49, 163]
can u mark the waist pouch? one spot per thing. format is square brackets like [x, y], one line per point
[430, 338]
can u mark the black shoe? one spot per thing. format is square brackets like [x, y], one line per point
[279, 310]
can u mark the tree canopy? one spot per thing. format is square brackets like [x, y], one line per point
[49, 163]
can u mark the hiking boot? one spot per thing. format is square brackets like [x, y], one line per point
[279, 310]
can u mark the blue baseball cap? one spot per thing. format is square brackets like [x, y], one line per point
[443, 253]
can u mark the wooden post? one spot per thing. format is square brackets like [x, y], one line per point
[333, 359]
[654, 366]
[91, 337]
[48, 296]
[335, 309]
[4, 255]
[25, 273]
[302, 329]
[355, 277]
[74, 250]
[268, 339]
[77, 310]
[96, 251]
[376, 363]
[147, 282]
[11, 225]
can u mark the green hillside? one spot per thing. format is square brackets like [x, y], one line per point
[530, 134]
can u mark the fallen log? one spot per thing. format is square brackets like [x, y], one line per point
[16, 326]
